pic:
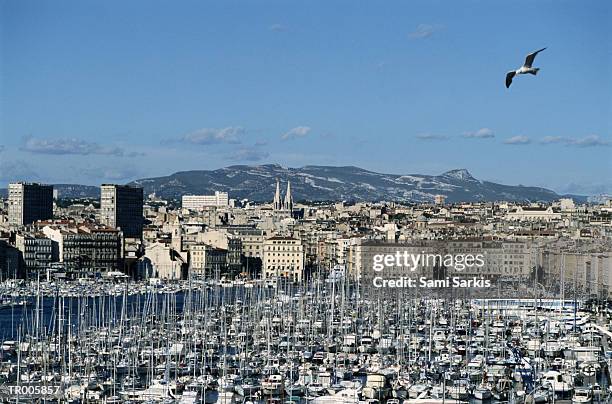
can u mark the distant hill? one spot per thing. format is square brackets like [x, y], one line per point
[327, 183]
[70, 191]
[77, 191]
[347, 183]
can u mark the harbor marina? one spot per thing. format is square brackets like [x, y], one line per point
[321, 342]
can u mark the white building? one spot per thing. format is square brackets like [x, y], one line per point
[567, 205]
[252, 242]
[197, 202]
[162, 261]
[501, 258]
[283, 256]
[586, 270]
[439, 199]
[531, 213]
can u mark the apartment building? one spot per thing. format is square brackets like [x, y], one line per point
[198, 202]
[283, 257]
[36, 252]
[87, 247]
[121, 207]
[29, 202]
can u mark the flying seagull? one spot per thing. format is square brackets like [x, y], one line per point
[525, 68]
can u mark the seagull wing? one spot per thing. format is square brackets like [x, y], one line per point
[530, 58]
[509, 77]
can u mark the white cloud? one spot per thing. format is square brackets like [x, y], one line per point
[230, 134]
[586, 141]
[297, 132]
[589, 141]
[64, 146]
[518, 140]
[482, 133]
[277, 28]
[423, 31]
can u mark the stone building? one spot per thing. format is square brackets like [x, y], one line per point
[283, 257]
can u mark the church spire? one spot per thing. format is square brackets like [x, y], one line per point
[277, 197]
[288, 198]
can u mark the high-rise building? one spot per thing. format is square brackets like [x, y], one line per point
[29, 202]
[195, 202]
[121, 208]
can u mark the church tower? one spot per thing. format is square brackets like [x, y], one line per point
[277, 197]
[288, 205]
[177, 235]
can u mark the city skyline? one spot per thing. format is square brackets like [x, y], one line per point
[306, 202]
[320, 183]
[92, 95]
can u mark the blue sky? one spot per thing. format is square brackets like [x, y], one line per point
[105, 91]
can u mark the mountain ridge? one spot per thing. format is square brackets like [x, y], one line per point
[327, 183]
[349, 183]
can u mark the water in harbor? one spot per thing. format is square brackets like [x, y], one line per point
[318, 342]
